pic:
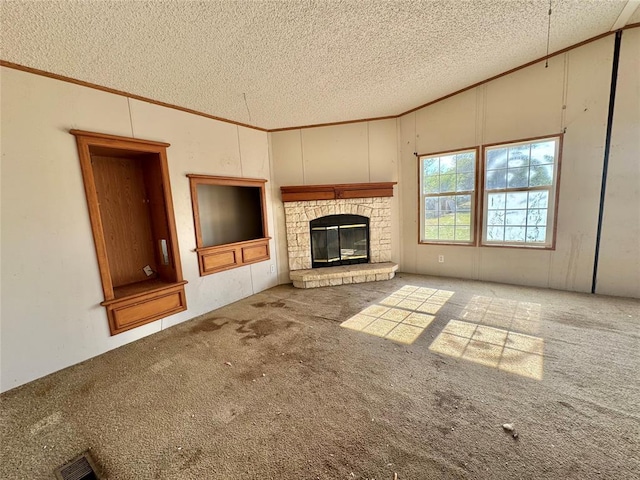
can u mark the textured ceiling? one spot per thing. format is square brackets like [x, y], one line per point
[296, 62]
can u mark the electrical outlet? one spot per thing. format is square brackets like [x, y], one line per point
[273, 268]
[440, 258]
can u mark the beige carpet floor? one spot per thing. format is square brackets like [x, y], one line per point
[412, 377]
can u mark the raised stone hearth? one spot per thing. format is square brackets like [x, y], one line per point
[302, 205]
[342, 275]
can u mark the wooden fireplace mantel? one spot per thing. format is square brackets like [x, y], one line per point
[301, 193]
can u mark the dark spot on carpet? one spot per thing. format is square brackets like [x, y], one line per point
[209, 325]
[277, 304]
[262, 328]
[87, 387]
[44, 389]
[447, 399]
[192, 459]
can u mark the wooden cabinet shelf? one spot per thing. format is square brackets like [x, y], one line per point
[230, 220]
[128, 193]
[232, 255]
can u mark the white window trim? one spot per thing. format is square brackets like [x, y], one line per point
[473, 193]
[553, 190]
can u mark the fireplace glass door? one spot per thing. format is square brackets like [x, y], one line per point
[339, 240]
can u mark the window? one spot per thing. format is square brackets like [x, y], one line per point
[520, 190]
[447, 197]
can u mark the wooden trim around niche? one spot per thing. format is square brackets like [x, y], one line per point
[302, 193]
[134, 304]
[217, 258]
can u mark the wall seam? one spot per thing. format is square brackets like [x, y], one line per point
[563, 122]
[239, 150]
[130, 116]
[302, 156]
[369, 151]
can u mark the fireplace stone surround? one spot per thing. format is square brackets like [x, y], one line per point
[304, 204]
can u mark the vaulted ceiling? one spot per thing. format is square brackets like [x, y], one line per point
[277, 64]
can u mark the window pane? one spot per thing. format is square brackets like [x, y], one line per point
[431, 215]
[466, 162]
[430, 203]
[539, 199]
[447, 183]
[447, 164]
[495, 234]
[463, 217]
[543, 153]
[497, 201]
[541, 175]
[463, 202]
[431, 232]
[518, 177]
[536, 234]
[463, 233]
[517, 200]
[537, 217]
[514, 234]
[431, 184]
[431, 166]
[446, 206]
[496, 158]
[496, 217]
[465, 182]
[516, 217]
[496, 179]
[446, 233]
[519, 156]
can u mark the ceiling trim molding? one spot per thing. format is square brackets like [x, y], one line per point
[63, 78]
[528, 64]
[82, 83]
[331, 124]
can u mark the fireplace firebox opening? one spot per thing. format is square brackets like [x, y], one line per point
[339, 240]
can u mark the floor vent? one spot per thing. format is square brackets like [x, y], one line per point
[80, 468]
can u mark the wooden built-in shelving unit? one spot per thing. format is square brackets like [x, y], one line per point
[230, 220]
[128, 193]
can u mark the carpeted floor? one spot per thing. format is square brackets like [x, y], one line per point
[272, 387]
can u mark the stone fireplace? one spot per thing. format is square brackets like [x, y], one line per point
[306, 204]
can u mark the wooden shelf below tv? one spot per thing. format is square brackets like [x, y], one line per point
[231, 255]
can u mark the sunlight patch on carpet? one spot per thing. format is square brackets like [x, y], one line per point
[493, 347]
[402, 316]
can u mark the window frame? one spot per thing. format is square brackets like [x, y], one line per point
[554, 191]
[474, 224]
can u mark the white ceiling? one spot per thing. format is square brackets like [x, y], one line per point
[297, 62]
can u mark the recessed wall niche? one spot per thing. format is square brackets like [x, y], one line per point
[127, 187]
[230, 220]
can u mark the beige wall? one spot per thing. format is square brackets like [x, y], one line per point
[572, 94]
[352, 153]
[619, 266]
[51, 291]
